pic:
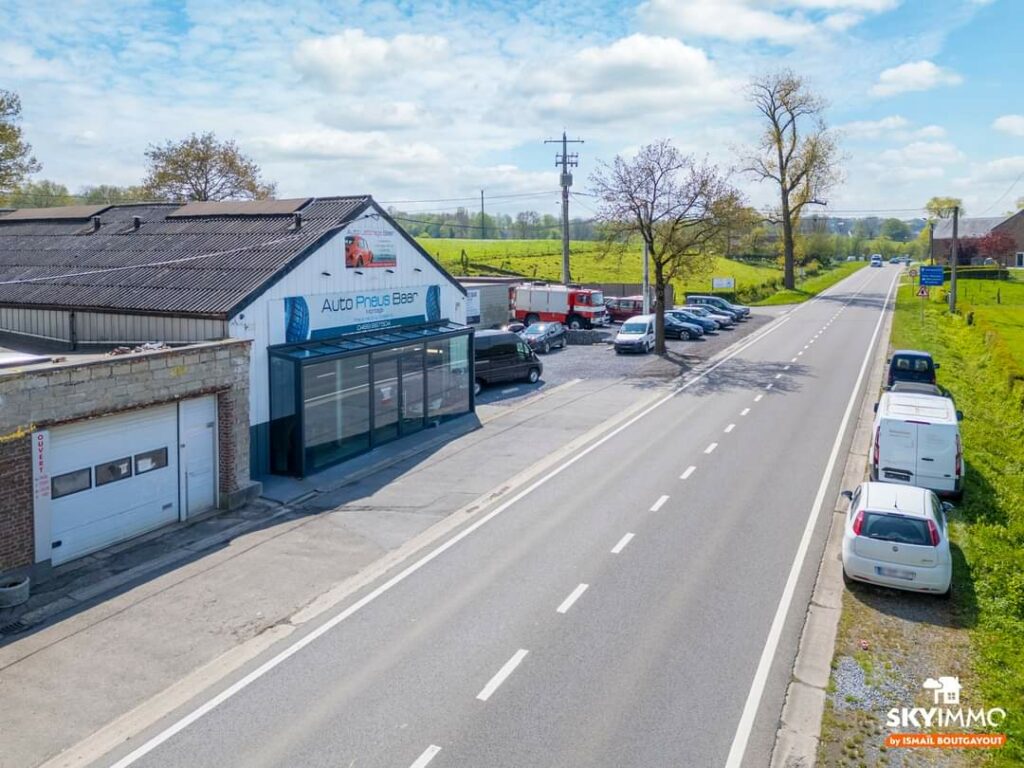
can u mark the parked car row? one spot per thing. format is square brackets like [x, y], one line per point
[896, 532]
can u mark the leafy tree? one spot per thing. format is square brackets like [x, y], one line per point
[796, 152]
[16, 160]
[967, 249]
[39, 194]
[942, 207]
[110, 193]
[673, 204]
[894, 229]
[203, 168]
[996, 245]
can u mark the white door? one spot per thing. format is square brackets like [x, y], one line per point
[112, 478]
[198, 430]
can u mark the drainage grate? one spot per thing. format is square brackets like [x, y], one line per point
[14, 627]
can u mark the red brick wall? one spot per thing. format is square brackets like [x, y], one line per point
[17, 524]
[226, 441]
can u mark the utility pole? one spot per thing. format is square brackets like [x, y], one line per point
[931, 242]
[567, 161]
[483, 221]
[953, 260]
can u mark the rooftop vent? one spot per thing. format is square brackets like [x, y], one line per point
[136, 222]
[297, 217]
[96, 223]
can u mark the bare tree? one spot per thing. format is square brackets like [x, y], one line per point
[202, 168]
[796, 152]
[16, 160]
[675, 205]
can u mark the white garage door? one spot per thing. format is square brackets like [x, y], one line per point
[198, 454]
[112, 478]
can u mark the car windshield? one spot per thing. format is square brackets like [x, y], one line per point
[913, 368]
[896, 528]
[634, 328]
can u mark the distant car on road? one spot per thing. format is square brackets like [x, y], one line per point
[911, 365]
[896, 260]
[876, 260]
[543, 337]
[635, 335]
[897, 536]
[685, 316]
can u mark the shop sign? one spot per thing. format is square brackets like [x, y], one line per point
[329, 315]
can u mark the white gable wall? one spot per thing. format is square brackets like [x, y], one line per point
[263, 320]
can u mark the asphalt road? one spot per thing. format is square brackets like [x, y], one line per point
[684, 524]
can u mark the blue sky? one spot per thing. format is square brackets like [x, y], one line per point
[416, 101]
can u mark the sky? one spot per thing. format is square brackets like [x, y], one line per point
[410, 101]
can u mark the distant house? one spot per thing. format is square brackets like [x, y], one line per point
[942, 239]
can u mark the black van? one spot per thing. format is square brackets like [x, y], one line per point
[503, 356]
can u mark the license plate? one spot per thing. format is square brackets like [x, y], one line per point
[894, 573]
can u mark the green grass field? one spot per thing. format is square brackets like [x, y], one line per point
[542, 260]
[982, 365]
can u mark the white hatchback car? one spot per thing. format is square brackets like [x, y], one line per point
[896, 536]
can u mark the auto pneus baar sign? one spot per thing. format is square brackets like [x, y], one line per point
[329, 315]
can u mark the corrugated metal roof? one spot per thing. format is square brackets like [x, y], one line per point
[59, 212]
[976, 227]
[240, 208]
[204, 266]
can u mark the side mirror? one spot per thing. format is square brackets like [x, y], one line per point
[947, 506]
[959, 415]
[848, 495]
[888, 360]
[876, 407]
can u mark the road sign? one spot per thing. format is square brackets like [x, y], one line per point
[922, 292]
[932, 276]
[913, 273]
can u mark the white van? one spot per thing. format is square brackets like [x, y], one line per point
[916, 441]
[635, 335]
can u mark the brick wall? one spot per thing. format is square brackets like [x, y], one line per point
[16, 523]
[89, 387]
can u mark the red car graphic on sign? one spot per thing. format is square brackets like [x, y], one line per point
[357, 252]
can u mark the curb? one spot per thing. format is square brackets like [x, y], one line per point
[799, 731]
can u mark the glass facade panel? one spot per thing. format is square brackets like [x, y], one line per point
[385, 396]
[412, 388]
[447, 379]
[285, 458]
[336, 410]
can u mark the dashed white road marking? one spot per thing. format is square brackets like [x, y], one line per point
[711, 448]
[730, 428]
[622, 543]
[758, 398]
[785, 368]
[744, 412]
[799, 353]
[659, 503]
[779, 375]
[428, 754]
[688, 471]
[768, 386]
[572, 598]
[502, 674]
[793, 360]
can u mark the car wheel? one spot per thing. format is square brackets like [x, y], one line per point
[533, 376]
[531, 319]
[545, 349]
[477, 387]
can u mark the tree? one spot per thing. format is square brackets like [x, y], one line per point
[894, 229]
[39, 194]
[942, 207]
[110, 193]
[997, 246]
[796, 152]
[16, 160]
[673, 204]
[203, 168]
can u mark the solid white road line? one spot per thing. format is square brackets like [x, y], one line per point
[750, 707]
[689, 471]
[622, 543]
[212, 703]
[730, 428]
[758, 398]
[711, 448]
[502, 675]
[744, 412]
[658, 504]
[428, 754]
[572, 598]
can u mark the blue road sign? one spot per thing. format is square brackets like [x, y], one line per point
[931, 276]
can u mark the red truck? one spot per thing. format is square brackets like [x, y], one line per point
[574, 307]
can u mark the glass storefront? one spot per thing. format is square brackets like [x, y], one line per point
[334, 399]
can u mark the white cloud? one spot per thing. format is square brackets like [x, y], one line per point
[361, 146]
[350, 58]
[1011, 124]
[375, 115]
[930, 132]
[923, 153]
[873, 129]
[913, 76]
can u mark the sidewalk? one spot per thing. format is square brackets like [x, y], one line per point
[173, 612]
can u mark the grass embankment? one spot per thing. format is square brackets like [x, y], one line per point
[812, 285]
[983, 367]
[542, 260]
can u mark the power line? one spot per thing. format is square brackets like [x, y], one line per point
[1008, 191]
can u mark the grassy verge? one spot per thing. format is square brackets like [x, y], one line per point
[812, 285]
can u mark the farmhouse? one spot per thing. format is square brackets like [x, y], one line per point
[292, 335]
[972, 230]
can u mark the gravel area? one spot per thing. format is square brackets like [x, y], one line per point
[599, 361]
